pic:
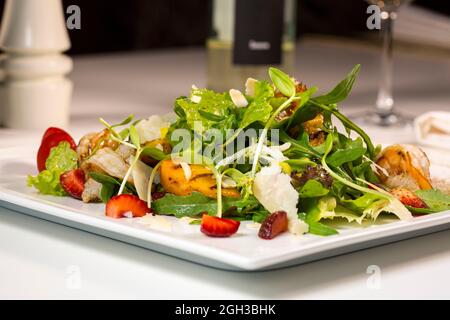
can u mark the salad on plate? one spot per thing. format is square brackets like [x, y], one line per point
[277, 153]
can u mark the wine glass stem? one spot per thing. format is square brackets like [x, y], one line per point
[385, 100]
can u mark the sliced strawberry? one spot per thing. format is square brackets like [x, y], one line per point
[119, 205]
[52, 137]
[218, 227]
[50, 131]
[273, 225]
[73, 182]
[408, 198]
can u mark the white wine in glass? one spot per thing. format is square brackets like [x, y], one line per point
[384, 114]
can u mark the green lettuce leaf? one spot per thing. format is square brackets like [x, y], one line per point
[47, 182]
[61, 159]
[214, 110]
[259, 109]
[312, 189]
[435, 200]
[195, 204]
[342, 89]
[320, 229]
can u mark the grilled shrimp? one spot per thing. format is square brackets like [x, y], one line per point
[107, 161]
[125, 151]
[404, 166]
[94, 141]
[91, 192]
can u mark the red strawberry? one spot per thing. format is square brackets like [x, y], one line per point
[117, 206]
[273, 225]
[50, 131]
[408, 198]
[218, 227]
[73, 182]
[51, 138]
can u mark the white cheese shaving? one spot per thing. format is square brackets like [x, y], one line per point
[253, 225]
[185, 166]
[250, 87]
[274, 191]
[128, 214]
[141, 175]
[196, 99]
[227, 182]
[156, 222]
[238, 98]
[150, 129]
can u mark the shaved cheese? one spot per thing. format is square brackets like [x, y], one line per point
[227, 182]
[156, 222]
[185, 166]
[250, 87]
[274, 191]
[196, 99]
[141, 175]
[150, 129]
[238, 98]
[128, 214]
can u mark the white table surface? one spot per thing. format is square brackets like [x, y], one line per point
[39, 259]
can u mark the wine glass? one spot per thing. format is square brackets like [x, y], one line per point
[384, 114]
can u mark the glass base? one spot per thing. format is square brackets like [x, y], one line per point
[381, 120]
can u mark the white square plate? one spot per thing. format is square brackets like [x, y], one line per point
[244, 251]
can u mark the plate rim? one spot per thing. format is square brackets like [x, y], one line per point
[381, 234]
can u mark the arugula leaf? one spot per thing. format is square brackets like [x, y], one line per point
[312, 189]
[341, 156]
[300, 164]
[349, 125]
[127, 120]
[195, 204]
[154, 153]
[282, 81]
[300, 145]
[61, 159]
[259, 109]
[211, 116]
[341, 91]
[435, 200]
[110, 185]
[320, 229]
[259, 216]
[108, 191]
[239, 177]
[134, 136]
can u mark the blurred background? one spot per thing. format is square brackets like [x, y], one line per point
[138, 55]
[113, 25]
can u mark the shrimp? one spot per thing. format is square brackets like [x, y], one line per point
[93, 141]
[404, 166]
[91, 192]
[106, 161]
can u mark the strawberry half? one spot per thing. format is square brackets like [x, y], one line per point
[408, 198]
[51, 138]
[73, 182]
[273, 225]
[218, 227]
[119, 205]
